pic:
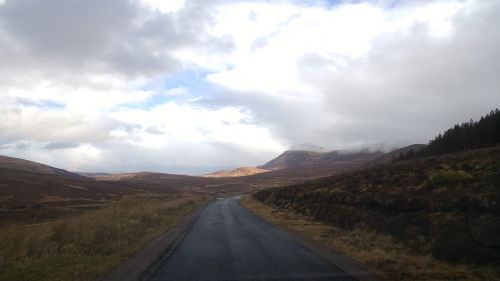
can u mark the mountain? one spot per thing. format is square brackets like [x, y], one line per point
[291, 158]
[300, 158]
[239, 172]
[299, 165]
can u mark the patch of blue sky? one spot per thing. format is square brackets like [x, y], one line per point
[333, 3]
[192, 79]
[183, 86]
[393, 4]
[44, 103]
[322, 2]
[336, 2]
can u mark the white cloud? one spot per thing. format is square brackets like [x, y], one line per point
[188, 123]
[106, 94]
[271, 39]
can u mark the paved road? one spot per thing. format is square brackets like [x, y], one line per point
[227, 242]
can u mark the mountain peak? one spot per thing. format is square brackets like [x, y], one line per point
[298, 158]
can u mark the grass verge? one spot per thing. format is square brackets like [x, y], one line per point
[377, 253]
[88, 245]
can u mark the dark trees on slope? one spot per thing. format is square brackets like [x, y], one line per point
[468, 135]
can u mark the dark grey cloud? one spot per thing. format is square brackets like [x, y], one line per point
[121, 36]
[67, 28]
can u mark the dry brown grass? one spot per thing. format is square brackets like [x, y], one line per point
[445, 206]
[239, 172]
[86, 246]
[377, 253]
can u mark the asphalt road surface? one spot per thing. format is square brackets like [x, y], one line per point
[227, 242]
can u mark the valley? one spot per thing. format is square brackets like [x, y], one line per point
[32, 192]
[413, 202]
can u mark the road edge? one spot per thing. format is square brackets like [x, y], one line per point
[143, 264]
[342, 261]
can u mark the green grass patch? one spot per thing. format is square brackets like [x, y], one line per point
[448, 176]
[57, 268]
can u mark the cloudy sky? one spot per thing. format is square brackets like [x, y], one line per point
[192, 86]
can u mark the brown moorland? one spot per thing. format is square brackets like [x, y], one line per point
[375, 252]
[31, 192]
[445, 206]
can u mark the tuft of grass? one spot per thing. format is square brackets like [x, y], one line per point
[377, 253]
[58, 268]
[445, 176]
[86, 246]
[448, 176]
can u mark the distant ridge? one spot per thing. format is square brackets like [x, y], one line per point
[139, 176]
[239, 172]
[92, 175]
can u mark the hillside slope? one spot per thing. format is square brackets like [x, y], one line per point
[31, 191]
[21, 165]
[301, 158]
[447, 206]
[398, 153]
